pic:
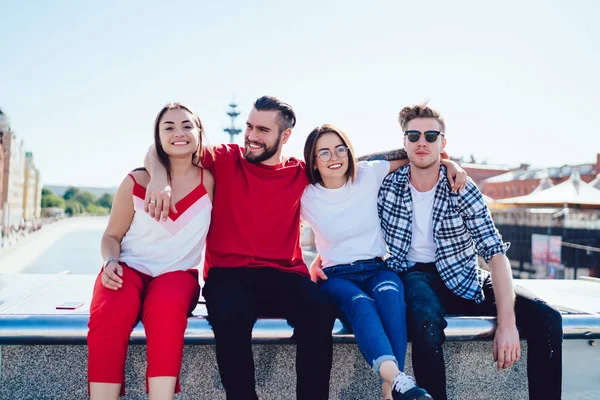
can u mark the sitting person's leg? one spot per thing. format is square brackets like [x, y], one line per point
[169, 300]
[424, 291]
[360, 311]
[541, 325]
[231, 305]
[299, 300]
[387, 290]
[113, 314]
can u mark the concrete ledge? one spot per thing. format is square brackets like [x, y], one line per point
[60, 372]
[43, 354]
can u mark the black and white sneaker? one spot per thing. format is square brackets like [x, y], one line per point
[405, 388]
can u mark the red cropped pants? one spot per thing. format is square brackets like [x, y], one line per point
[162, 303]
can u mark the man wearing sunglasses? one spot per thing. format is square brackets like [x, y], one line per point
[434, 236]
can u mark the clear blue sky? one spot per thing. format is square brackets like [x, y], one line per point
[517, 81]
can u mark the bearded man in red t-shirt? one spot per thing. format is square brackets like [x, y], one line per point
[254, 264]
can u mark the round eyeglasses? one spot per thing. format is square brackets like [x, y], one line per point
[325, 154]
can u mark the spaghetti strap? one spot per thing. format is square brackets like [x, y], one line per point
[134, 181]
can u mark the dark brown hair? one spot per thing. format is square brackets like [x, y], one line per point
[162, 155]
[310, 148]
[409, 113]
[286, 118]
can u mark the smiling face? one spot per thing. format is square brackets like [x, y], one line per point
[330, 146]
[422, 154]
[179, 134]
[263, 141]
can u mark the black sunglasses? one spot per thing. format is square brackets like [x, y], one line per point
[413, 135]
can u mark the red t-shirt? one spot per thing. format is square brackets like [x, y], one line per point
[256, 213]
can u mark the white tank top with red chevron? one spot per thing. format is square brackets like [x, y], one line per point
[177, 244]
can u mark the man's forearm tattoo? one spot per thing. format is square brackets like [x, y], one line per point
[398, 154]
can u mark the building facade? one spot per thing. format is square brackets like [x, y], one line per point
[481, 172]
[524, 180]
[14, 172]
[31, 189]
[20, 183]
[4, 128]
[38, 194]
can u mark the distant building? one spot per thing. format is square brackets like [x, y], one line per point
[480, 172]
[14, 181]
[32, 191]
[4, 128]
[523, 181]
[38, 194]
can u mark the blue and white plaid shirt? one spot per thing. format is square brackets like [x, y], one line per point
[461, 224]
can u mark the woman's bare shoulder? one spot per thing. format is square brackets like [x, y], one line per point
[141, 176]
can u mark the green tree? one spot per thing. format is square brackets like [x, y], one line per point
[94, 209]
[73, 207]
[105, 200]
[53, 201]
[49, 199]
[71, 192]
[86, 198]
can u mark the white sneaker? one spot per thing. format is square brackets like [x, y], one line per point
[405, 388]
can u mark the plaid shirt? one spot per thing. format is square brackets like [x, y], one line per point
[461, 224]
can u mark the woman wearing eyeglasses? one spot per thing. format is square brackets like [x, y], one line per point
[341, 207]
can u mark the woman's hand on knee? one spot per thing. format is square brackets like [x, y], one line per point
[316, 270]
[111, 276]
[317, 274]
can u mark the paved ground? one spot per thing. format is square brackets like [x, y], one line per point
[63, 240]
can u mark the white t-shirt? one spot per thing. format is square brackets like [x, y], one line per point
[422, 246]
[345, 220]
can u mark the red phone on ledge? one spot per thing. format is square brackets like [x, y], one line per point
[69, 305]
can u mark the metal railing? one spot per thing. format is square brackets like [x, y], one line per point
[72, 329]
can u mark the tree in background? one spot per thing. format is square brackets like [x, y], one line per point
[105, 201]
[73, 208]
[71, 192]
[85, 197]
[50, 200]
[77, 202]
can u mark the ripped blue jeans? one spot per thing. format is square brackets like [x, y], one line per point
[371, 298]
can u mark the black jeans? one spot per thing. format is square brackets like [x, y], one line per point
[428, 301]
[236, 297]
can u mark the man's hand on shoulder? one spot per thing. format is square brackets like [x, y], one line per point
[158, 191]
[158, 199]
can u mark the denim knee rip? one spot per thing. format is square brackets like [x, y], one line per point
[361, 296]
[386, 285]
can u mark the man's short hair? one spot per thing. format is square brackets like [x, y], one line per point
[286, 118]
[409, 113]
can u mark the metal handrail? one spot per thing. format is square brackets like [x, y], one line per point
[72, 329]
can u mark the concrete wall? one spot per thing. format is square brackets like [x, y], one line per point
[59, 372]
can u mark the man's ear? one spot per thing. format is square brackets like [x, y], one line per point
[443, 143]
[285, 135]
